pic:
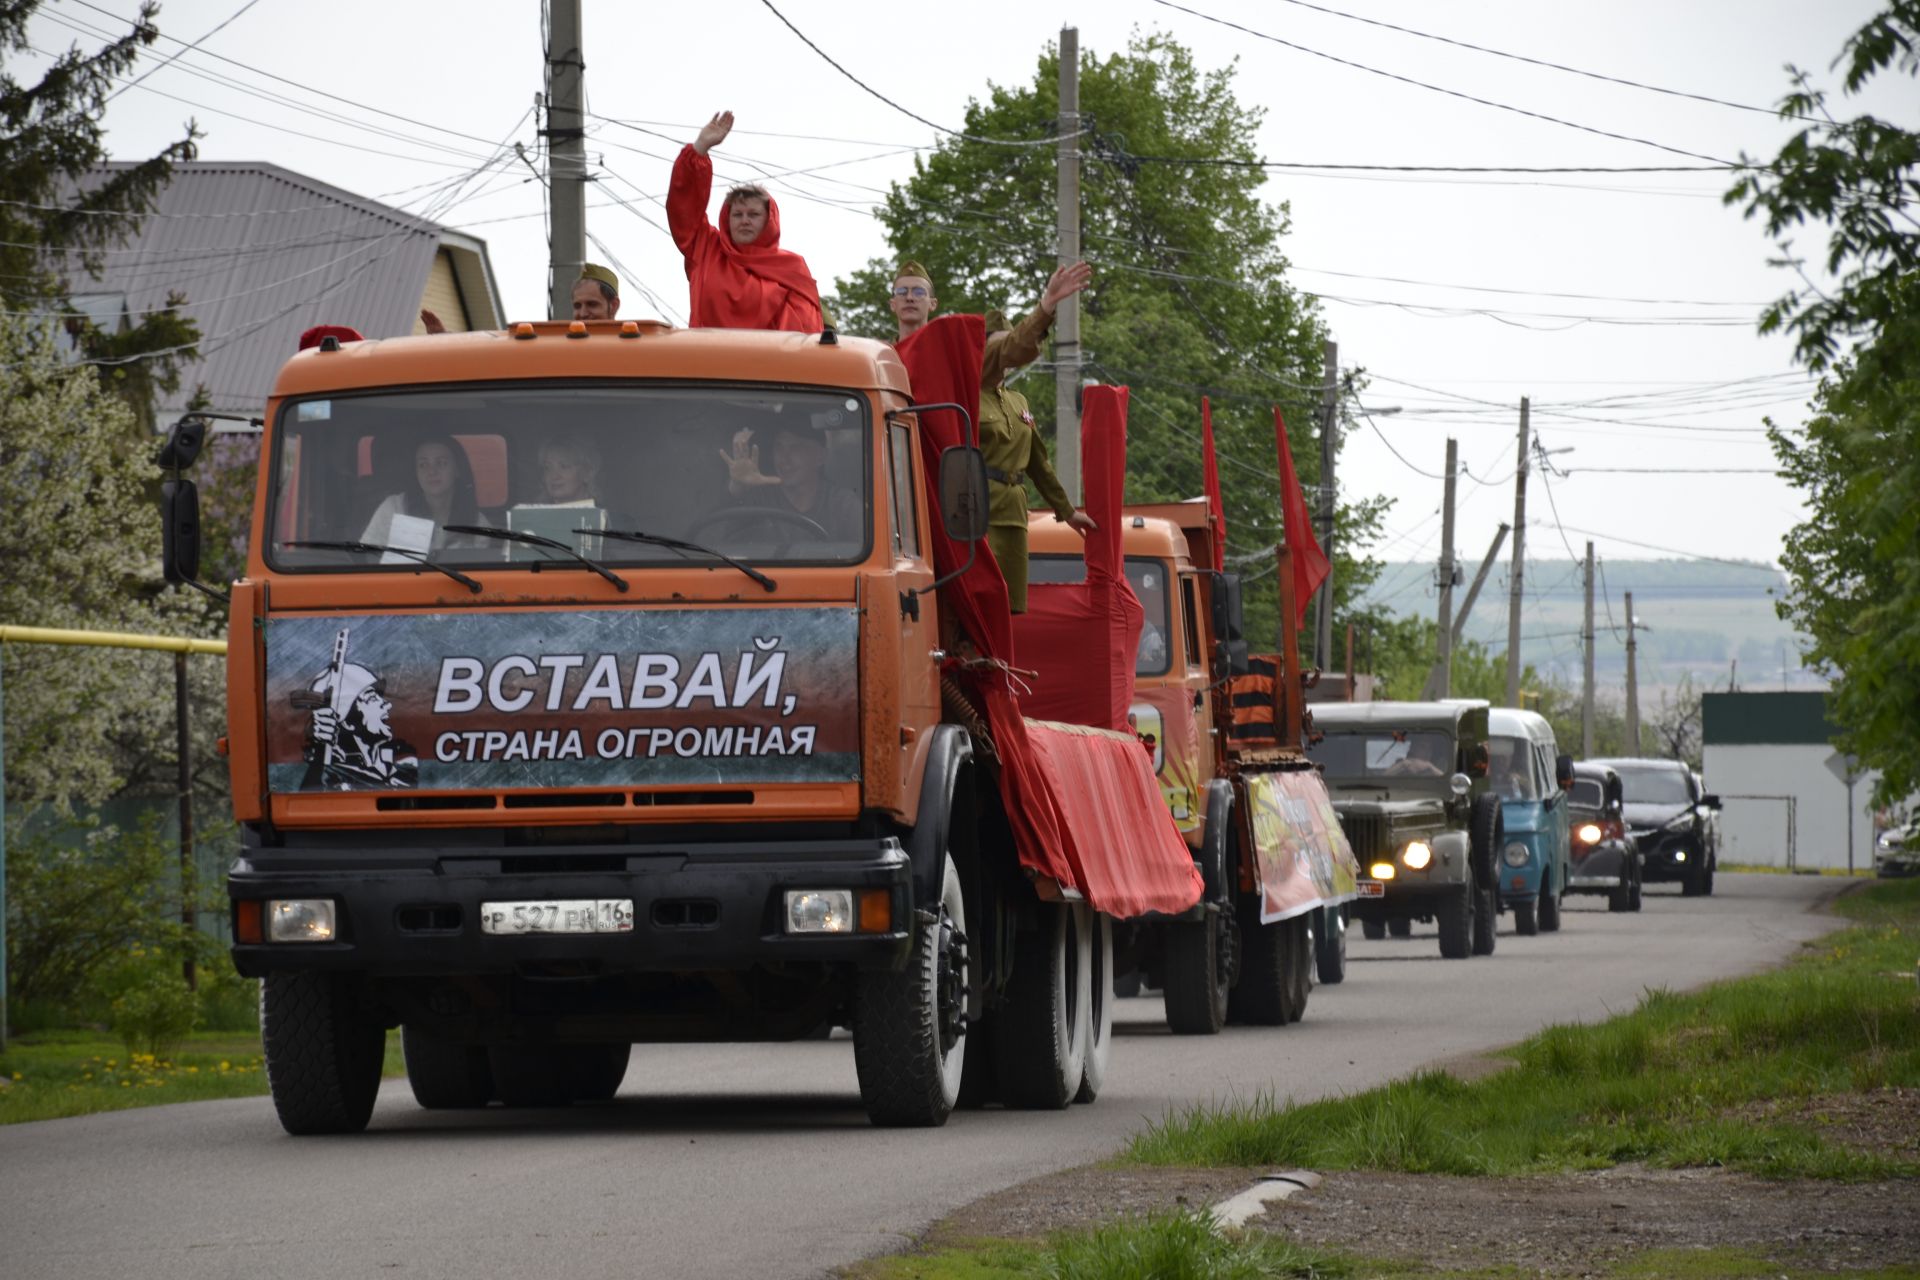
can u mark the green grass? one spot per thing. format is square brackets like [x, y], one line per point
[1681, 1081]
[55, 1074]
[1767, 869]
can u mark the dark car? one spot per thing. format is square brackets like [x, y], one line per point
[1672, 821]
[1605, 860]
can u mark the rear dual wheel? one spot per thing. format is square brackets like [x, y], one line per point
[1043, 1028]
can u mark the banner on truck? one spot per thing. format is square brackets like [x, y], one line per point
[1305, 860]
[500, 701]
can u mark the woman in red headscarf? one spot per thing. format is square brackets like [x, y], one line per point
[738, 276]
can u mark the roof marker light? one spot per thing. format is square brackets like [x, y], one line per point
[576, 328]
[629, 328]
[523, 329]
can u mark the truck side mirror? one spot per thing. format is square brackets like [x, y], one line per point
[180, 531]
[963, 493]
[184, 441]
[1563, 771]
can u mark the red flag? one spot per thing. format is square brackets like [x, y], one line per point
[1310, 567]
[1216, 508]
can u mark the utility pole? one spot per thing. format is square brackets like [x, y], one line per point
[1586, 674]
[566, 154]
[1329, 446]
[1519, 562]
[1066, 320]
[1440, 680]
[1479, 580]
[1633, 686]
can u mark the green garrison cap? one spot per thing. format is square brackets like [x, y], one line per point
[594, 271]
[912, 268]
[996, 321]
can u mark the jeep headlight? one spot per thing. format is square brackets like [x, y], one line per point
[1678, 822]
[1590, 833]
[1417, 855]
[1517, 854]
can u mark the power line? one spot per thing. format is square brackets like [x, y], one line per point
[185, 49]
[1452, 93]
[1676, 551]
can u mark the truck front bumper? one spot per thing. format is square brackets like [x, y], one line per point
[695, 907]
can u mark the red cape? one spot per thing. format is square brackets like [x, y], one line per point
[730, 286]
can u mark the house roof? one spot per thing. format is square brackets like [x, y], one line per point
[262, 254]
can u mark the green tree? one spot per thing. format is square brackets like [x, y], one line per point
[1190, 296]
[1854, 562]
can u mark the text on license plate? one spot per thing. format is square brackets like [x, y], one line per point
[1373, 888]
[563, 915]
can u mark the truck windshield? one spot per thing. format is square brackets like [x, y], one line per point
[1653, 786]
[1383, 754]
[1149, 579]
[1513, 770]
[771, 476]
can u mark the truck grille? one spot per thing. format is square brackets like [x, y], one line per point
[1366, 833]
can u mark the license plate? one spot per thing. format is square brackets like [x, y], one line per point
[1373, 888]
[563, 915]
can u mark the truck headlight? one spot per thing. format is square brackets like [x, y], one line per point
[1381, 871]
[300, 920]
[820, 911]
[1517, 854]
[1417, 855]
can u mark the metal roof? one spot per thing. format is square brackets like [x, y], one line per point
[262, 254]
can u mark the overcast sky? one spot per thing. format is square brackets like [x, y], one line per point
[1407, 264]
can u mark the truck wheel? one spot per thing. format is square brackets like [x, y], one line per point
[1525, 922]
[909, 1024]
[1197, 979]
[1486, 832]
[1373, 930]
[324, 1052]
[1549, 906]
[1455, 915]
[1099, 929]
[1297, 937]
[531, 1075]
[595, 1071]
[1260, 998]
[1486, 921]
[1400, 928]
[1040, 1042]
[445, 1076]
[979, 1081]
[1330, 941]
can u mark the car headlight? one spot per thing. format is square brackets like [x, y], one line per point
[1417, 855]
[1679, 822]
[1589, 834]
[1517, 854]
[1381, 871]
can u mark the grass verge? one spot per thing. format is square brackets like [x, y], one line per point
[54, 1074]
[1709, 1078]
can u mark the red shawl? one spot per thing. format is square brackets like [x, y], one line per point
[730, 286]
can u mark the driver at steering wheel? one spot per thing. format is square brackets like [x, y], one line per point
[798, 483]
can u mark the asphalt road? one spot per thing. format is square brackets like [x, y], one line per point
[729, 1161]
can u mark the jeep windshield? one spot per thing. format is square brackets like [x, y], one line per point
[1384, 755]
[765, 475]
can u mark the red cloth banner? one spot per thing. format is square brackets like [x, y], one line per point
[1216, 505]
[1310, 565]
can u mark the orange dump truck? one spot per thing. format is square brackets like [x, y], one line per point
[589, 686]
[1225, 731]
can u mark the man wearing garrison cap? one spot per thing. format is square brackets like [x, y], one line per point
[596, 294]
[1009, 437]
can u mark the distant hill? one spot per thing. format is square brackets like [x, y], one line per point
[1699, 617]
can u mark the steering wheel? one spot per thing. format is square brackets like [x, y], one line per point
[746, 516]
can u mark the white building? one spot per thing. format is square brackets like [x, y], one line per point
[1770, 758]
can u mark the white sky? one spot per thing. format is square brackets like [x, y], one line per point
[474, 67]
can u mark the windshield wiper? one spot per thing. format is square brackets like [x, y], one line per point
[421, 556]
[680, 544]
[537, 540]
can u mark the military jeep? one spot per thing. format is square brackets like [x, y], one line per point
[1409, 781]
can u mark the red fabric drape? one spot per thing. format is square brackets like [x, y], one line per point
[1310, 567]
[1216, 506]
[730, 286]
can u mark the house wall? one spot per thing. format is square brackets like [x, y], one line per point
[1755, 831]
[443, 297]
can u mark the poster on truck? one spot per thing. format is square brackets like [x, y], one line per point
[524, 700]
[1303, 855]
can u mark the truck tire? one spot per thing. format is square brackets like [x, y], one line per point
[1400, 928]
[595, 1071]
[1455, 915]
[324, 1052]
[1486, 832]
[1198, 980]
[1263, 995]
[1099, 929]
[1549, 904]
[1486, 921]
[1330, 945]
[1373, 930]
[909, 1024]
[445, 1076]
[1041, 1041]
[1525, 922]
[1297, 937]
[531, 1075]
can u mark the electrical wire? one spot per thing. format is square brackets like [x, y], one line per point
[185, 49]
